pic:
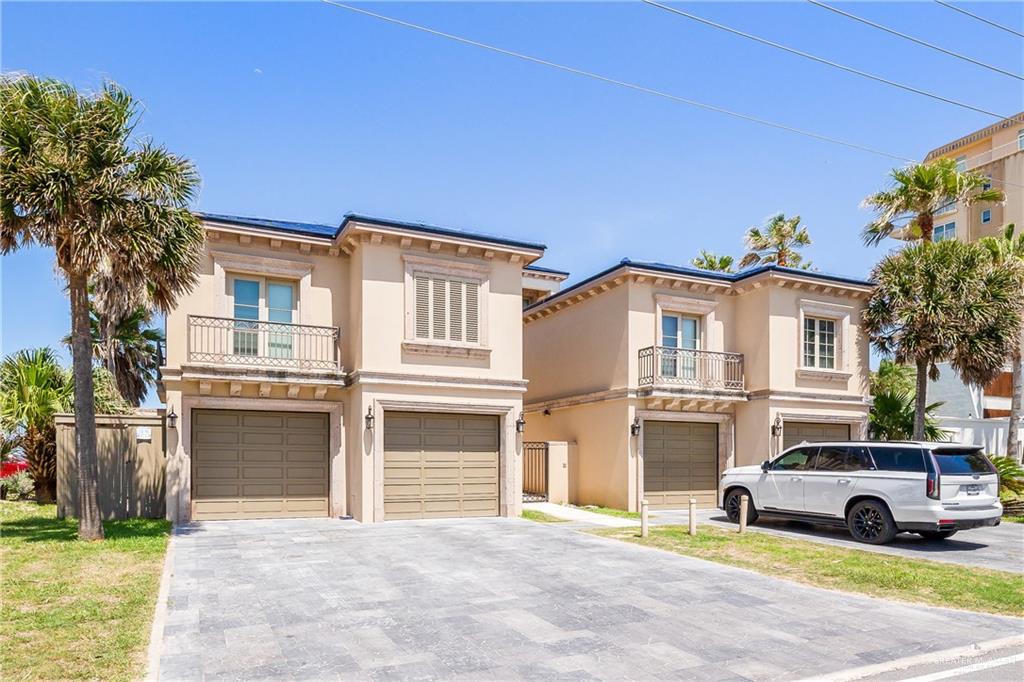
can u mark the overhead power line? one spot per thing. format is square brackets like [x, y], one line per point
[912, 39]
[980, 18]
[821, 60]
[626, 84]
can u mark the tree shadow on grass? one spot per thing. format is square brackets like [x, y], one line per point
[39, 529]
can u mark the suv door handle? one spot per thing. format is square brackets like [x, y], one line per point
[843, 481]
[797, 478]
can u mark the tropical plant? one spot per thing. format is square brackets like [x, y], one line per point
[1009, 248]
[777, 243]
[892, 377]
[906, 210]
[112, 208]
[128, 348]
[892, 417]
[711, 261]
[945, 301]
[19, 486]
[1011, 474]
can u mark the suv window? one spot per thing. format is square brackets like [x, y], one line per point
[898, 459]
[796, 460]
[841, 458]
[962, 462]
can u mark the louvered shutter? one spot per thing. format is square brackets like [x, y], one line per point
[472, 312]
[422, 307]
[437, 308]
[455, 293]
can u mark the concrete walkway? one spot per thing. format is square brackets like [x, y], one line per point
[580, 516]
[510, 599]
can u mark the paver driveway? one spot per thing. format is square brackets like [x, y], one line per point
[507, 599]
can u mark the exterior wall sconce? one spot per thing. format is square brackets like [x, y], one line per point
[172, 419]
[369, 419]
[634, 428]
[520, 423]
[777, 427]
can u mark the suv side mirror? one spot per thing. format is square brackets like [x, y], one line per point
[764, 465]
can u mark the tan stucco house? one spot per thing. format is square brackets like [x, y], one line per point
[664, 376]
[371, 369]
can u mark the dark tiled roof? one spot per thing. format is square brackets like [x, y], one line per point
[704, 274]
[547, 271]
[331, 231]
[426, 228]
[309, 229]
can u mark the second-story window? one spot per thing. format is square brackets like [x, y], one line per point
[1020, 140]
[259, 300]
[819, 343]
[447, 309]
[946, 231]
[961, 164]
[679, 334]
[986, 216]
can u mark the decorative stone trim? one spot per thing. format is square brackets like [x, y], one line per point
[398, 379]
[823, 374]
[446, 348]
[478, 273]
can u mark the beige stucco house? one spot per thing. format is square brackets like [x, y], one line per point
[664, 376]
[371, 369]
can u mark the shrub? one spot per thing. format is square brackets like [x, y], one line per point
[18, 487]
[1011, 474]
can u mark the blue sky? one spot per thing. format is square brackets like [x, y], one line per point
[304, 111]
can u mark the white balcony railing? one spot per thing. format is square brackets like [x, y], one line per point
[702, 369]
[257, 343]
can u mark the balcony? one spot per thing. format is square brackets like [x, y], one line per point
[701, 370]
[227, 341]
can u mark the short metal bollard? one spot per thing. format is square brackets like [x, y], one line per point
[643, 518]
[693, 516]
[744, 501]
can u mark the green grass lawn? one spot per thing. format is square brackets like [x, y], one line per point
[541, 517]
[608, 511]
[852, 570]
[75, 609]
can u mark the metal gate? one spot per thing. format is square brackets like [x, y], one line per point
[535, 472]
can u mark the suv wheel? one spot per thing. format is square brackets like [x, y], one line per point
[936, 534]
[870, 521]
[732, 506]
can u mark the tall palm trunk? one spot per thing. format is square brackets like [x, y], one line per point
[1013, 448]
[927, 225]
[90, 525]
[921, 399]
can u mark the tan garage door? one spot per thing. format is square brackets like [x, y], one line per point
[259, 465]
[680, 462]
[794, 433]
[440, 465]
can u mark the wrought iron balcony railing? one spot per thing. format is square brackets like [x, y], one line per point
[257, 343]
[691, 368]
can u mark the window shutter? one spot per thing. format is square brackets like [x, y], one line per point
[455, 290]
[422, 307]
[438, 308]
[472, 312]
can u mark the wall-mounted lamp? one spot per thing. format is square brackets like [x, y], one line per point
[634, 428]
[777, 427]
[520, 423]
[369, 419]
[172, 419]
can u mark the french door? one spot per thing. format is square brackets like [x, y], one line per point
[679, 333]
[263, 311]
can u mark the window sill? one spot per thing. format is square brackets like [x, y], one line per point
[451, 349]
[823, 374]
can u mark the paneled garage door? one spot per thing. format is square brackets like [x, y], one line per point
[440, 465]
[259, 465]
[680, 461]
[794, 433]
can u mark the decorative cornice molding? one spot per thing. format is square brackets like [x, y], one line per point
[404, 379]
[446, 349]
[261, 265]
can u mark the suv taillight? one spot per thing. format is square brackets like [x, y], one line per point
[934, 485]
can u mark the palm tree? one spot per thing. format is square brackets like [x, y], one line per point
[71, 178]
[1009, 248]
[892, 377]
[127, 348]
[945, 301]
[777, 243]
[33, 388]
[892, 417]
[711, 261]
[906, 210]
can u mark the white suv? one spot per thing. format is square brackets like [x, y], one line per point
[874, 489]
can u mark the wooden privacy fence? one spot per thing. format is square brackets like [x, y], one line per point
[130, 453]
[535, 472]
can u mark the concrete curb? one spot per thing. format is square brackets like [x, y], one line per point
[156, 632]
[948, 655]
